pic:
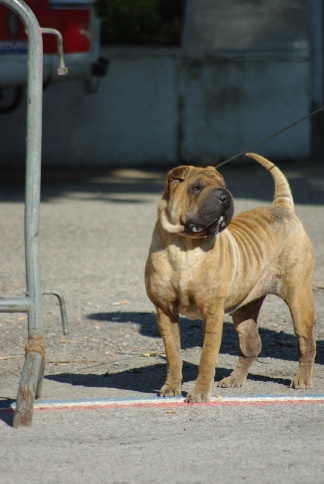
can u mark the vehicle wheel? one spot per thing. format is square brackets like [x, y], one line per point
[10, 98]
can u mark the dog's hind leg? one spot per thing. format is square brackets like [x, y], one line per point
[302, 312]
[245, 321]
[170, 332]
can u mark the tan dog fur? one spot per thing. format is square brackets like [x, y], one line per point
[262, 251]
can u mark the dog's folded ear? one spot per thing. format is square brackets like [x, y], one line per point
[214, 173]
[179, 173]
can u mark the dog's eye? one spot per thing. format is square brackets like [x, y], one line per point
[195, 188]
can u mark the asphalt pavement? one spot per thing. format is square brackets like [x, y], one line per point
[95, 232]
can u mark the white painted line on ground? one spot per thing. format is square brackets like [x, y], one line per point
[105, 403]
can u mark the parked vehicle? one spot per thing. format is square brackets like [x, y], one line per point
[80, 29]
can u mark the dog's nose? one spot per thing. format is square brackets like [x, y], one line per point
[222, 195]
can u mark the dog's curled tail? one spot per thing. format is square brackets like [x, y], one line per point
[282, 195]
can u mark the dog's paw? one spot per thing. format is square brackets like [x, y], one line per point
[170, 391]
[232, 382]
[198, 397]
[299, 383]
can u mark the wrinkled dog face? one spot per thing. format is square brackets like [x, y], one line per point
[195, 202]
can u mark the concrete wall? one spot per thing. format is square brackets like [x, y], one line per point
[203, 102]
[247, 25]
[231, 105]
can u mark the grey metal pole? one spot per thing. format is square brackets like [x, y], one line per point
[35, 349]
[32, 375]
[33, 160]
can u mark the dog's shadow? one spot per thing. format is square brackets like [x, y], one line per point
[276, 345]
[148, 379]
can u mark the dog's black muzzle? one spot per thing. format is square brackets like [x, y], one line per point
[215, 210]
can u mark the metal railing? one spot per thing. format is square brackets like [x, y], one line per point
[33, 371]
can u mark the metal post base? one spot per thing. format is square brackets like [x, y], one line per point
[32, 376]
[28, 385]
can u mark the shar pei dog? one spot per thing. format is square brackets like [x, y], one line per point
[203, 263]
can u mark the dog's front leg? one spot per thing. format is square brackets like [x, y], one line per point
[170, 331]
[213, 329]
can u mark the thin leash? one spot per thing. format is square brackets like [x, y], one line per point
[273, 135]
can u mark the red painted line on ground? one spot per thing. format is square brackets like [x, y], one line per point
[218, 403]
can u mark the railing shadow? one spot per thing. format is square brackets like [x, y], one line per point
[6, 411]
